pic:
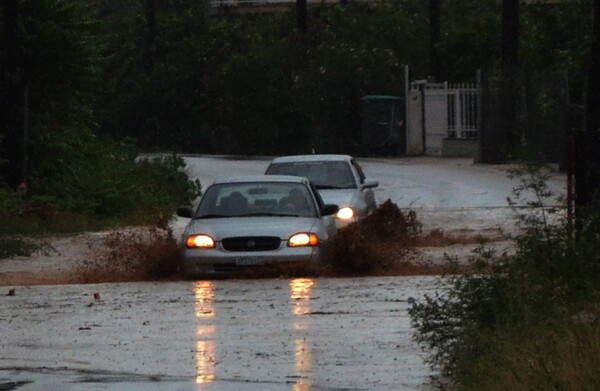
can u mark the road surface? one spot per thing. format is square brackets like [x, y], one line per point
[268, 334]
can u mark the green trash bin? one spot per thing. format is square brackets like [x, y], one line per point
[383, 125]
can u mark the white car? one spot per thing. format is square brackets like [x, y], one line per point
[339, 179]
[255, 220]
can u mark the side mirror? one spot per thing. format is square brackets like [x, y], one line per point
[185, 211]
[370, 184]
[329, 209]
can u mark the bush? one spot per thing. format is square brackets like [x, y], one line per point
[512, 321]
[102, 179]
[10, 246]
[9, 201]
[81, 182]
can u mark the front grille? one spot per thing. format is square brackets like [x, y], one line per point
[251, 243]
[224, 267]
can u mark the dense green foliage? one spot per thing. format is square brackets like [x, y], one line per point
[253, 84]
[77, 180]
[87, 183]
[102, 178]
[525, 321]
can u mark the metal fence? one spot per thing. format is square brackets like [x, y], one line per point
[463, 111]
[530, 116]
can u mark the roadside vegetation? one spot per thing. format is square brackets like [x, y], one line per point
[529, 321]
[82, 183]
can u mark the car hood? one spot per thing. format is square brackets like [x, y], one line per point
[339, 197]
[282, 227]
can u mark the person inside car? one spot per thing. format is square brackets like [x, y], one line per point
[294, 202]
[237, 204]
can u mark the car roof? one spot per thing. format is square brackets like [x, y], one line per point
[312, 158]
[262, 178]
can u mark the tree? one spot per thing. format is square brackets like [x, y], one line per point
[588, 157]
[510, 34]
[301, 15]
[12, 99]
[435, 39]
[509, 59]
[151, 34]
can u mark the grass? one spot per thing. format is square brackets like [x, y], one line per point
[556, 356]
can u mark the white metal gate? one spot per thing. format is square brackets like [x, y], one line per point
[447, 111]
[463, 111]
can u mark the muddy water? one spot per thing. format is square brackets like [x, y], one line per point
[274, 334]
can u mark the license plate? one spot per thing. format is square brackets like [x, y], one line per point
[249, 261]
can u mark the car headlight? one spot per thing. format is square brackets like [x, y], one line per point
[303, 239]
[200, 241]
[345, 213]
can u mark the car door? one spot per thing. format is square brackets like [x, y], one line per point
[327, 221]
[367, 195]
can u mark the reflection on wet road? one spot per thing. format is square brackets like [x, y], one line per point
[281, 335]
[300, 289]
[205, 345]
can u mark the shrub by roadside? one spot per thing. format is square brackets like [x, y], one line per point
[521, 322]
[81, 182]
[104, 179]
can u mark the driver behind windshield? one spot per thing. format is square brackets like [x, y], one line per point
[295, 202]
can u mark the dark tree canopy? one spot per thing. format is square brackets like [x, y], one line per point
[588, 181]
[169, 76]
[12, 97]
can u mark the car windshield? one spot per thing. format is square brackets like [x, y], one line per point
[323, 174]
[257, 199]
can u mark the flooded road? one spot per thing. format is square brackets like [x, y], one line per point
[272, 334]
[265, 334]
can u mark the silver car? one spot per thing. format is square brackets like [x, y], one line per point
[255, 220]
[339, 179]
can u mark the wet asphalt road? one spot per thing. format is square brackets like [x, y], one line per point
[272, 334]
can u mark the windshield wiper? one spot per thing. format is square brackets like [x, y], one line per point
[210, 216]
[258, 214]
[322, 187]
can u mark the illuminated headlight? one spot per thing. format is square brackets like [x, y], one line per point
[303, 239]
[345, 213]
[200, 241]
